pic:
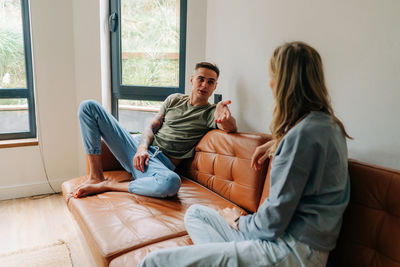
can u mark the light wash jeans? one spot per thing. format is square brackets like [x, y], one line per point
[217, 244]
[159, 178]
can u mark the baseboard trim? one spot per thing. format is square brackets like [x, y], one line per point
[31, 189]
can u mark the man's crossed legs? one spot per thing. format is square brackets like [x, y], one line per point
[158, 180]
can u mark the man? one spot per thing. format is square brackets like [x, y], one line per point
[152, 157]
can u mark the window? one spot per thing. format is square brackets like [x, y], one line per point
[17, 112]
[147, 57]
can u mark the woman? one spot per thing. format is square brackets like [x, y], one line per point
[298, 224]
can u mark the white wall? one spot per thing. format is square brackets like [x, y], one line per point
[88, 28]
[24, 169]
[359, 42]
[195, 37]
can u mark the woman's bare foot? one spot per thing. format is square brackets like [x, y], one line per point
[91, 189]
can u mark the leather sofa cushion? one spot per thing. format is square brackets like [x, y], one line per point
[109, 162]
[115, 223]
[222, 164]
[134, 257]
[267, 184]
[370, 234]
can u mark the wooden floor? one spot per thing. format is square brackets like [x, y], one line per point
[41, 220]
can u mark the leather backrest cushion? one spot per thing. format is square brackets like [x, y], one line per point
[222, 164]
[109, 162]
[267, 184]
[370, 234]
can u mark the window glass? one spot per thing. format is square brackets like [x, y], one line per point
[12, 54]
[150, 42]
[14, 115]
[136, 115]
[17, 110]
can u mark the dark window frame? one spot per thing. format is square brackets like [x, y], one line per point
[24, 92]
[134, 92]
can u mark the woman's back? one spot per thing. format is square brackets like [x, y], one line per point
[317, 218]
[309, 186]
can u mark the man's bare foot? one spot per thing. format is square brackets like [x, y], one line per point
[94, 179]
[90, 180]
[91, 189]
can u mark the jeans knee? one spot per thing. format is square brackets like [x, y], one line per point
[172, 184]
[86, 106]
[193, 213]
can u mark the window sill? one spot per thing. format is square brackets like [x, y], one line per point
[19, 142]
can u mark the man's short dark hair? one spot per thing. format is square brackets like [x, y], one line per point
[209, 66]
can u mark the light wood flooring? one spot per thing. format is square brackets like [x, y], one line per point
[41, 220]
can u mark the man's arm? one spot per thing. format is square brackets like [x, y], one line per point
[223, 117]
[141, 158]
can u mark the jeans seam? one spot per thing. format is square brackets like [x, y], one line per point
[94, 151]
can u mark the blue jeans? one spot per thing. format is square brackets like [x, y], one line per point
[159, 178]
[217, 244]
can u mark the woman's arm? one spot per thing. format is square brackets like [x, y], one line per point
[290, 171]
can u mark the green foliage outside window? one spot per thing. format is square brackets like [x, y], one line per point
[13, 101]
[12, 54]
[150, 42]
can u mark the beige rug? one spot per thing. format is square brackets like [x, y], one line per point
[56, 254]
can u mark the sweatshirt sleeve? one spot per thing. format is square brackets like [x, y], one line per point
[290, 171]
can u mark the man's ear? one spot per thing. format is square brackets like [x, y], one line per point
[191, 79]
[215, 85]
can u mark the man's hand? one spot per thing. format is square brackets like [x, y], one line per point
[223, 118]
[222, 112]
[141, 158]
[230, 215]
[260, 155]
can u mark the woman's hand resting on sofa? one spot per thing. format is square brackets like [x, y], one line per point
[260, 155]
[231, 215]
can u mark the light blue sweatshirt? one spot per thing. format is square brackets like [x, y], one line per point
[310, 186]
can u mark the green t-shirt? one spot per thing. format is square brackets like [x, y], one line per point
[183, 127]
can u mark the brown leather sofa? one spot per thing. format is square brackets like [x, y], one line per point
[370, 234]
[121, 228]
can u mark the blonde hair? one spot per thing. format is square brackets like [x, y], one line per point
[299, 88]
